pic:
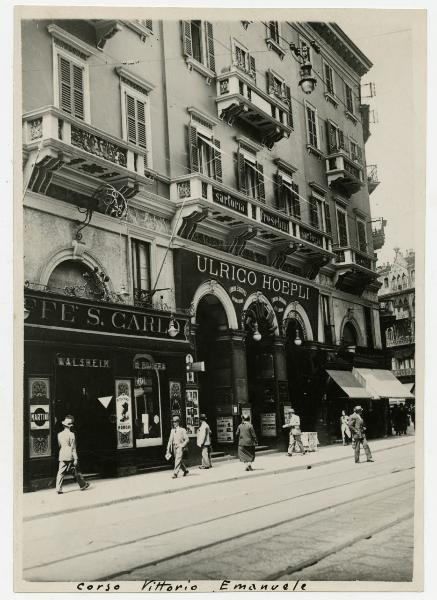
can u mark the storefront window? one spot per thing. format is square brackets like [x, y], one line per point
[147, 405]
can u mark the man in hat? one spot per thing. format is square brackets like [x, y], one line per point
[295, 433]
[204, 442]
[356, 425]
[68, 456]
[177, 442]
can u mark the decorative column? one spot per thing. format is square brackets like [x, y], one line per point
[281, 381]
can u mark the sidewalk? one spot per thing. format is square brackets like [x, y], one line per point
[103, 492]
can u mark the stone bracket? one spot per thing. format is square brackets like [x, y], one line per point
[279, 253]
[190, 223]
[239, 237]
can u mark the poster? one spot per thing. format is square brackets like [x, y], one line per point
[39, 417]
[124, 413]
[268, 425]
[175, 389]
[225, 430]
[192, 420]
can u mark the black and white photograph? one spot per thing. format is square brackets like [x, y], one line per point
[219, 383]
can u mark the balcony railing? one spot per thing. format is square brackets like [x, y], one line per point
[400, 340]
[83, 147]
[404, 372]
[346, 256]
[236, 209]
[343, 174]
[238, 97]
[372, 177]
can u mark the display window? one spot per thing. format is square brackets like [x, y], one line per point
[147, 403]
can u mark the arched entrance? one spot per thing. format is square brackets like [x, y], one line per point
[298, 370]
[260, 325]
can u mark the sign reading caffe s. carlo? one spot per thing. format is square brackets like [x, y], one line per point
[192, 269]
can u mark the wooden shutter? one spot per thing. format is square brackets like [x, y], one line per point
[270, 83]
[218, 161]
[341, 140]
[141, 124]
[359, 154]
[314, 214]
[342, 228]
[287, 93]
[65, 84]
[328, 226]
[296, 200]
[186, 36]
[279, 192]
[241, 167]
[332, 136]
[260, 182]
[131, 119]
[252, 67]
[210, 45]
[194, 149]
[78, 99]
[362, 244]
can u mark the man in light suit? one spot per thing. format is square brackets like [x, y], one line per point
[356, 425]
[68, 456]
[204, 442]
[177, 441]
[295, 433]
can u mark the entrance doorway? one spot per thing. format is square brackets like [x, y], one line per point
[78, 391]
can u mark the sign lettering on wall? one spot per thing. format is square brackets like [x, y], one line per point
[91, 363]
[275, 221]
[236, 204]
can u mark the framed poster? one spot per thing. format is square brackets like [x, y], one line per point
[268, 425]
[123, 404]
[192, 411]
[225, 430]
[39, 417]
[175, 389]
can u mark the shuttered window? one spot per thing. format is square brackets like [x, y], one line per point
[205, 155]
[314, 212]
[342, 228]
[313, 138]
[250, 177]
[349, 98]
[136, 125]
[141, 265]
[329, 79]
[71, 87]
[198, 42]
[361, 231]
[328, 225]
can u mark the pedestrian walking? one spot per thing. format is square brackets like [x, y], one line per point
[204, 442]
[356, 425]
[295, 433]
[344, 426]
[68, 461]
[246, 442]
[177, 442]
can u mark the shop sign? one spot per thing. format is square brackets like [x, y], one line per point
[124, 413]
[275, 221]
[39, 417]
[238, 294]
[175, 390]
[225, 430]
[52, 311]
[95, 363]
[268, 425]
[228, 201]
[149, 366]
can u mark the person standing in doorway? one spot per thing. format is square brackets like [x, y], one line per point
[247, 442]
[344, 425]
[295, 433]
[204, 442]
[68, 461]
[177, 442]
[356, 425]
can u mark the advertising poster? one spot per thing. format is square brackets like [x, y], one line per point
[124, 413]
[192, 420]
[39, 417]
[225, 430]
[268, 425]
[175, 389]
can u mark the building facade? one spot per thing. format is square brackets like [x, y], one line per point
[195, 192]
[397, 299]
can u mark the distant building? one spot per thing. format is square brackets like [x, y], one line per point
[397, 302]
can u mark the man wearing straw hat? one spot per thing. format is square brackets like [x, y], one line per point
[356, 425]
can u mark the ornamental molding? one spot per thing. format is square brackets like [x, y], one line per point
[202, 118]
[247, 144]
[285, 166]
[319, 189]
[69, 42]
[137, 83]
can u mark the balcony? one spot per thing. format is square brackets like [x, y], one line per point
[343, 174]
[355, 270]
[372, 178]
[239, 98]
[65, 147]
[400, 340]
[236, 218]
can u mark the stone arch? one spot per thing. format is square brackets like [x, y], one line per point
[67, 253]
[211, 287]
[302, 318]
[258, 297]
[355, 325]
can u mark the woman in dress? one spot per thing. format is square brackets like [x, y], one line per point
[345, 431]
[246, 442]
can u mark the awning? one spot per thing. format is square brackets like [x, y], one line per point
[349, 384]
[409, 387]
[381, 384]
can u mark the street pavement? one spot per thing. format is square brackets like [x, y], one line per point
[283, 521]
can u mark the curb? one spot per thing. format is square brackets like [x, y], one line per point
[202, 484]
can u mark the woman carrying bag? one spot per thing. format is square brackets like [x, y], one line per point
[246, 442]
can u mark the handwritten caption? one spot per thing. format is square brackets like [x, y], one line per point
[225, 585]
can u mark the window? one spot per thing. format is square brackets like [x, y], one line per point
[342, 228]
[315, 212]
[250, 175]
[386, 282]
[312, 126]
[328, 224]
[326, 316]
[349, 96]
[204, 151]
[136, 121]
[287, 195]
[277, 87]
[329, 79]
[355, 151]
[140, 266]
[243, 60]
[274, 31]
[71, 87]
[198, 39]
[336, 138]
[361, 235]
[135, 109]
